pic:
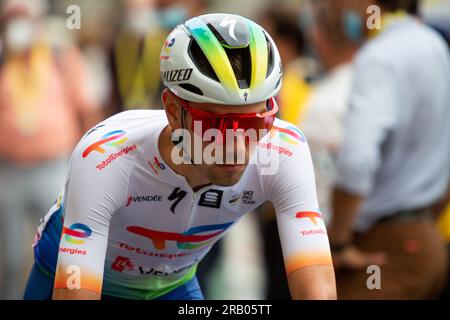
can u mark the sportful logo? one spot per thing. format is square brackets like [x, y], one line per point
[189, 240]
[211, 198]
[111, 139]
[76, 230]
[290, 134]
[312, 215]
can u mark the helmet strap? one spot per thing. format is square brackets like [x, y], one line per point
[180, 139]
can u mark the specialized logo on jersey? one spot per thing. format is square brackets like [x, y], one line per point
[289, 134]
[76, 230]
[177, 194]
[111, 139]
[311, 215]
[191, 239]
[211, 198]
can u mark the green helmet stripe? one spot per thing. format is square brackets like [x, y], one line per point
[259, 55]
[215, 54]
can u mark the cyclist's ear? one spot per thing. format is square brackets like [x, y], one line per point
[164, 95]
[173, 110]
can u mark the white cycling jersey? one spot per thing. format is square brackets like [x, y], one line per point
[133, 228]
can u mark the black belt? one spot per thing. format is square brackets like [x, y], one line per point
[421, 214]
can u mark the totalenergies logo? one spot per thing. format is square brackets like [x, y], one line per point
[312, 215]
[76, 230]
[290, 134]
[166, 49]
[111, 139]
[191, 239]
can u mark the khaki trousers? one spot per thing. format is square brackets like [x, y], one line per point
[416, 266]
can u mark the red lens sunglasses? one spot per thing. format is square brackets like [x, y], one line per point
[243, 121]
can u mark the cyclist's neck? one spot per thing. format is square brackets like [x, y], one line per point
[193, 176]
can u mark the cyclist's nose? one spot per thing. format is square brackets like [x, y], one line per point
[236, 148]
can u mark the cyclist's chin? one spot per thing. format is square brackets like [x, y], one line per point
[226, 175]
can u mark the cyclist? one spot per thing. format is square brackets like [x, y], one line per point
[134, 221]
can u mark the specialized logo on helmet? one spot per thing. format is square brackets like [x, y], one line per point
[211, 36]
[229, 22]
[176, 75]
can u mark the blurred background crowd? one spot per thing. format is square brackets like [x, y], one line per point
[57, 81]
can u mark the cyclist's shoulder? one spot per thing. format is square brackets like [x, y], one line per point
[285, 138]
[134, 122]
[279, 123]
[121, 134]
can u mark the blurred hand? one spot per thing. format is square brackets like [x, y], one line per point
[353, 258]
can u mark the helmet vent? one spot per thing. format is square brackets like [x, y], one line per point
[239, 59]
[200, 60]
[271, 58]
[278, 84]
[191, 88]
[217, 34]
[241, 64]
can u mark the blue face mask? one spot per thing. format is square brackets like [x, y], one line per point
[169, 18]
[353, 26]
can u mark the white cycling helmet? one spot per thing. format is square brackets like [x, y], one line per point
[195, 61]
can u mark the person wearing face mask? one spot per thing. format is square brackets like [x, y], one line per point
[19, 34]
[335, 35]
[134, 56]
[173, 12]
[43, 110]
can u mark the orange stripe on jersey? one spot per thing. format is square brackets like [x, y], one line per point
[305, 260]
[312, 215]
[65, 278]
